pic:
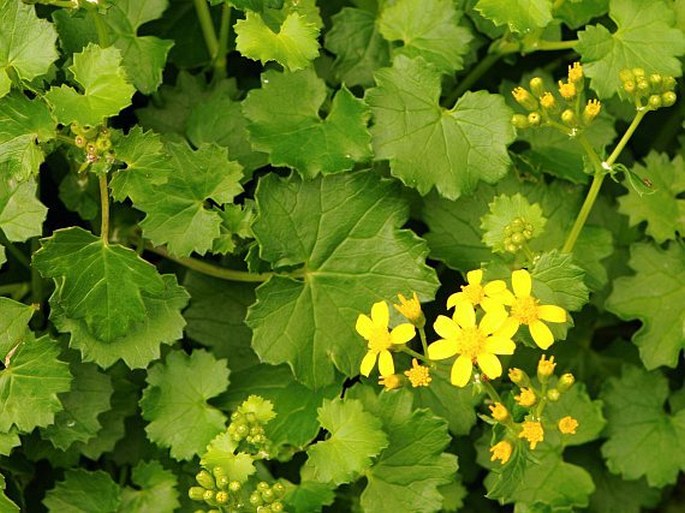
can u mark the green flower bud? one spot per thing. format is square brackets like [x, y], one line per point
[569, 118]
[520, 121]
[655, 79]
[668, 98]
[255, 499]
[262, 486]
[264, 509]
[196, 493]
[524, 98]
[629, 86]
[518, 239]
[537, 86]
[205, 479]
[626, 75]
[234, 486]
[221, 497]
[566, 381]
[279, 489]
[553, 395]
[277, 507]
[643, 86]
[208, 496]
[639, 73]
[668, 83]
[519, 377]
[511, 248]
[222, 481]
[80, 141]
[534, 118]
[654, 101]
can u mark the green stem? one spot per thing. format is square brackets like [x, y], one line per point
[553, 45]
[601, 169]
[490, 390]
[224, 31]
[424, 343]
[100, 27]
[476, 73]
[14, 251]
[212, 269]
[104, 208]
[13, 289]
[413, 353]
[529, 253]
[207, 26]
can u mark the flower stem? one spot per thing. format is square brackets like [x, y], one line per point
[104, 209]
[601, 169]
[207, 26]
[554, 45]
[424, 343]
[224, 31]
[214, 270]
[14, 251]
[413, 353]
[490, 390]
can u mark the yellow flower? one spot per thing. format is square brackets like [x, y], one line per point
[533, 432]
[518, 377]
[575, 72]
[380, 340]
[525, 309]
[545, 367]
[568, 425]
[547, 101]
[501, 451]
[567, 90]
[390, 382]
[524, 98]
[591, 110]
[473, 343]
[526, 398]
[490, 296]
[411, 310]
[419, 375]
[499, 412]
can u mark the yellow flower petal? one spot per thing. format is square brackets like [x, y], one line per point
[495, 287]
[492, 320]
[521, 283]
[402, 334]
[386, 366]
[474, 277]
[364, 326]
[551, 313]
[442, 349]
[508, 328]
[455, 299]
[541, 334]
[465, 316]
[446, 327]
[500, 345]
[380, 314]
[368, 363]
[461, 371]
[490, 365]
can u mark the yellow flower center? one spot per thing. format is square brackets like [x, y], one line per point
[533, 432]
[472, 342]
[501, 451]
[419, 375]
[390, 382]
[525, 310]
[526, 398]
[568, 425]
[380, 339]
[474, 293]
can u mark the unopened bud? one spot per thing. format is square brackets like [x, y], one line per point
[547, 101]
[499, 412]
[626, 75]
[524, 98]
[196, 493]
[591, 111]
[643, 86]
[537, 86]
[639, 73]
[545, 368]
[569, 118]
[668, 98]
[221, 497]
[655, 79]
[629, 86]
[534, 118]
[566, 381]
[553, 395]
[567, 90]
[519, 377]
[669, 83]
[654, 101]
[575, 73]
[520, 121]
[205, 479]
[208, 496]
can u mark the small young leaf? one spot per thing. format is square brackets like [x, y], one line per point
[84, 492]
[221, 453]
[21, 213]
[157, 490]
[14, 320]
[520, 16]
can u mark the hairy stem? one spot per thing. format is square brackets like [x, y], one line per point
[212, 269]
[104, 208]
[207, 26]
[413, 353]
[601, 169]
[554, 45]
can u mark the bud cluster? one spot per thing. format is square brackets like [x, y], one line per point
[267, 499]
[651, 91]
[95, 141]
[247, 427]
[563, 108]
[517, 234]
[218, 491]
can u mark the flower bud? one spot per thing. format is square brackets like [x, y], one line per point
[553, 395]
[668, 83]
[668, 99]
[547, 101]
[569, 118]
[643, 86]
[277, 507]
[411, 310]
[499, 412]
[501, 451]
[205, 479]
[591, 111]
[567, 90]
[519, 377]
[655, 79]
[234, 486]
[575, 73]
[639, 73]
[279, 489]
[520, 121]
[208, 495]
[629, 86]
[524, 98]
[626, 75]
[566, 381]
[390, 382]
[545, 368]
[196, 493]
[221, 497]
[526, 398]
[534, 118]
[654, 101]
[537, 86]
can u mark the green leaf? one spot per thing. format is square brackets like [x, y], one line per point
[14, 321]
[355, 438]
[645, 37]
[522, 16]
[654, 295]
[27, 45]
[176, 211]
[218, 118]
[106, 289]
[106, 89]
[155, 490]
[575, 403]
[6, 505]
[8, 441]
[163, 324]
[89, 397]
[30, 382]
[309, 497]
[559, 281]
[216, 318]
[424, 142]
[663, 210]
[643, 439]
[21, 213]
[577, 13]
[147, 165]
[296, 422]
[359, 48]
[221, 453]
[409, 472]
[252, 5]
[294, 45]
[428, 29]
[289, 127]
[23, 123]
[504, 210]
[175, 402]
[84, 492]
[143, 57]
[80, 193]
[345, 227]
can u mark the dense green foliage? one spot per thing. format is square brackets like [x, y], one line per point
[207, 207]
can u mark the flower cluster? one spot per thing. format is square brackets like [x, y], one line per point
[96, 142]
[528, 423]
[566, 109]
[648, 91]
